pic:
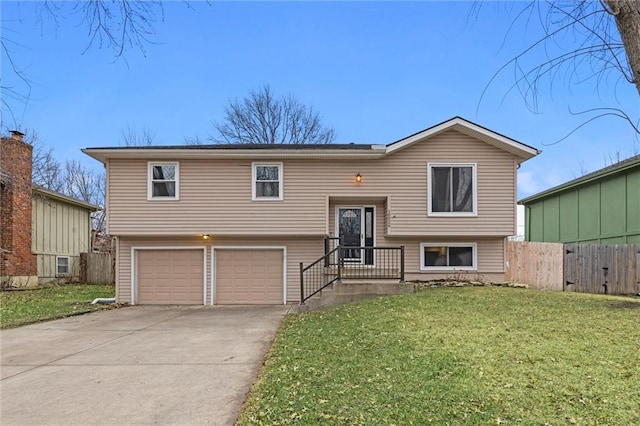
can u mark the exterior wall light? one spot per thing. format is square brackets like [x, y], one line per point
[358, 178]
[206, 236]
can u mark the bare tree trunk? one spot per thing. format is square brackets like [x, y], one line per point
[627, 14]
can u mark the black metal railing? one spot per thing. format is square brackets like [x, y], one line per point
[371, 263]
[330, 244]
[353, 263]
[317, 276]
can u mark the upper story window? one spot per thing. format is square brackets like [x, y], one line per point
[163, 181]
[267, 181]
[452, 189]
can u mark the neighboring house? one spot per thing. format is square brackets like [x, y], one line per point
[602, 207]
[42, 232]
[227, 224]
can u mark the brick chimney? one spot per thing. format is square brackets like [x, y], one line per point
[18, 266]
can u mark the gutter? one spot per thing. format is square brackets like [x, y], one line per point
[577, 182]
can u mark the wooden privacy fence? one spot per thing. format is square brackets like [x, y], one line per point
[606, 269]
[585, 268]
[97, 268]
[537, 264]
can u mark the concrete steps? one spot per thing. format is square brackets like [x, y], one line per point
[354, 291]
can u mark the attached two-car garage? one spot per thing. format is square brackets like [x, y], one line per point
[239, 276]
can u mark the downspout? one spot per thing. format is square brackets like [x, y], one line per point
[103, 300]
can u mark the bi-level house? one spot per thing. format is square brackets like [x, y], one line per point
[232, 224]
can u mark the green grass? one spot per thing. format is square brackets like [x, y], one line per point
[19, 307]
[449, 356]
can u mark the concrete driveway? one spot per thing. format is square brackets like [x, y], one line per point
[137, 365]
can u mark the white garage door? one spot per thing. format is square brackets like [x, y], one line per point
[249, 276]
[170, 277]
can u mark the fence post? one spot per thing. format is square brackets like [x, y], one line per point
[327, 248]
[301, 283]
[401, 263]
[340, 261]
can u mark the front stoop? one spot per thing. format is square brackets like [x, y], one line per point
[354, 291]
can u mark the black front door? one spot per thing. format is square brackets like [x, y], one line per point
[356, 229]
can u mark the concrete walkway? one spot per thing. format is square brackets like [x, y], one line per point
[137, 365]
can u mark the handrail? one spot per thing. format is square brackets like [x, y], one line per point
[378, 263]
[321, 259]
[325, 283]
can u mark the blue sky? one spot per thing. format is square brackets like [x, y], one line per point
[375, 71]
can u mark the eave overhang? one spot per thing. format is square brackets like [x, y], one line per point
[621, 167]
[103, 154]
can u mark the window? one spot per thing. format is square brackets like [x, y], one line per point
[452, 189]
[451, 256]
[163, 181]
[62, 265]
[267, 182]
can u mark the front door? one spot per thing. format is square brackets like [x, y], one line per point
[355, 229]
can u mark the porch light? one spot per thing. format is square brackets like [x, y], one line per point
[358, 178]
[206, 236]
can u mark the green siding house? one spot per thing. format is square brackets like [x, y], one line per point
[602, 207]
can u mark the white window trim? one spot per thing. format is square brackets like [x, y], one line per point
[63, 274]
[254, 167]
[474, 188]
[474, 259]
[150, 165]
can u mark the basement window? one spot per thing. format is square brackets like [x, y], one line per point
[62, 265]
[448, 256]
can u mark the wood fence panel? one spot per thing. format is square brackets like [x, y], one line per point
[539, 265]
[98, 268]
[600, 269]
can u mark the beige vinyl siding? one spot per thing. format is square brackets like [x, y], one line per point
[215, 195]
[490, 257]
[299, 250]
[58, 229]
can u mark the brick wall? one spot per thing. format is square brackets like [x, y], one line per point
[15, 208]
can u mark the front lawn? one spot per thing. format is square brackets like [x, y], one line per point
[448, 356]
[19, 307]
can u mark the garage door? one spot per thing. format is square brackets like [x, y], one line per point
[249, 276]
[170, 277]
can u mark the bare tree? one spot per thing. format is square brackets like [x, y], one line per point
[583, 41]
[627, 15]
[84, 184]
[133, 136]
[71, 178]
[47, 171]
[262, 118]
[116, 25]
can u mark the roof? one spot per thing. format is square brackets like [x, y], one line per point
[313, 151]
[474, 130]
[250, 146]
[613, 169]
[64, 198]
